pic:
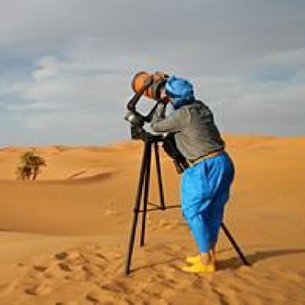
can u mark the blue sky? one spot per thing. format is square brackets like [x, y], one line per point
[66, 66]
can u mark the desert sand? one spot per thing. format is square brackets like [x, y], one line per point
[64, 237]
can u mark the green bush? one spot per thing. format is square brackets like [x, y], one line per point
[30, 166]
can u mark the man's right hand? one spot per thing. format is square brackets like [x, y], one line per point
[164, 98]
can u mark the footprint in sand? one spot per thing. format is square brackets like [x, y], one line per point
[40, 268]
[68, 256]
[85, 265]
[41, 289]
[92, 271]
[100, 296]
[65, 267]
[61, 256]
[68, 261]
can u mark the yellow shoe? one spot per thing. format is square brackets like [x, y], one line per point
[199, 268]
[193, 259]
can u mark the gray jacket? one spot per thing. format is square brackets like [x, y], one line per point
[193, 126]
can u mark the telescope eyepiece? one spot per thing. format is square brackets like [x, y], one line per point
[134, 118]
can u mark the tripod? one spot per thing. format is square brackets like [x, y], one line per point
[143, 185]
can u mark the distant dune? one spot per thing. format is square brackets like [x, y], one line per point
[64, 237]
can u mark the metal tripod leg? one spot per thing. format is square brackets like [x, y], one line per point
[146, 193]
[145, 160]
[146, 188]
[159, 176]
[235, 245]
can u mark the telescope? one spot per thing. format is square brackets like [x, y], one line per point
[151, 86]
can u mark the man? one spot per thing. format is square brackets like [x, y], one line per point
[205, 185]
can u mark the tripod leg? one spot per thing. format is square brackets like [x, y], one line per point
[146, 196]
[234, 244]
[137, 207]
[159, 176]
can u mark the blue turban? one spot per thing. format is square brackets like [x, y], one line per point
[180, 90]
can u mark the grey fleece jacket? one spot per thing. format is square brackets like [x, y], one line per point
[193, 126]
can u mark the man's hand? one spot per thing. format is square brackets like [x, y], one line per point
[164, 98]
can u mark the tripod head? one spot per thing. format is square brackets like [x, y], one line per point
[138, 120]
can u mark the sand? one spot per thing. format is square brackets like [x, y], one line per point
[64, 237]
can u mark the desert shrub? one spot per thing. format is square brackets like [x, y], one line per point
[30, 166]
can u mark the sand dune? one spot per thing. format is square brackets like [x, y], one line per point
[64, 237]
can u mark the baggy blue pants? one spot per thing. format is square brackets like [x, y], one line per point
[205, 189]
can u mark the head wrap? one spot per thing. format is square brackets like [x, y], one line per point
[180, 90]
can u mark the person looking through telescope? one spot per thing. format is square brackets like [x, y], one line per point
[205, 184]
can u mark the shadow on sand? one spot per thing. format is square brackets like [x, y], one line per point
[235, 262]
[232, 263]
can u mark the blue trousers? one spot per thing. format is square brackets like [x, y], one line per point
[205, 189]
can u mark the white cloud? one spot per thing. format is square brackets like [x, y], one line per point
[64, 84]
[47, 67]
